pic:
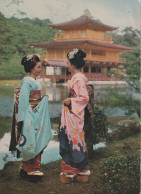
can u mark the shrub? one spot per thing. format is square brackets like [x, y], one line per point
[96, 128]
[100, 124]
[119, 175]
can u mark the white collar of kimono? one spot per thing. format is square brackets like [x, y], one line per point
[32, 78]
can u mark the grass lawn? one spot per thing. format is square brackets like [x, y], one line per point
[7, 87]
[9, 82]
[50, 184]
[7, 91]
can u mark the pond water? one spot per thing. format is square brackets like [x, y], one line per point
[56, 96]
[56, 93]
[51, 153]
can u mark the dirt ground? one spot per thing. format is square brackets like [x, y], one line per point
[12, 183]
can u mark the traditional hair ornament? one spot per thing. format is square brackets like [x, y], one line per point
[31, 57]
[72, 53]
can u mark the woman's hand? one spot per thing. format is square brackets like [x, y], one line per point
[67, 101]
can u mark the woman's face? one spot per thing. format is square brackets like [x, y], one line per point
[70, 66]
[37, 69]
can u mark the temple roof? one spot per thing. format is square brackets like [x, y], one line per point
[83, 21]
[54, 44]
[55, 62]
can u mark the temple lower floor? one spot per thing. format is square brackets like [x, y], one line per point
[94, 71]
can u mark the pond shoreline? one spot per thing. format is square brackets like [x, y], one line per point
[99, 84]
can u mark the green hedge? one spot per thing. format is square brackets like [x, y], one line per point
[119, 175]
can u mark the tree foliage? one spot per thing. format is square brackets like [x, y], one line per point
[132, 68]
[15, 36]
[130, 37]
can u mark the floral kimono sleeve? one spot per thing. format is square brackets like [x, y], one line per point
[79, 103]
[23, 100]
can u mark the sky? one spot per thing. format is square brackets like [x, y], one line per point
[117, 13]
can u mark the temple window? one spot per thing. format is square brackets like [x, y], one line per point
[86, 69]
[83, 34]
[67, 36]
[98, 52]
[95, 69]
[98, 70]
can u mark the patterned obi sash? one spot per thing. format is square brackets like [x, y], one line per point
[35, 98]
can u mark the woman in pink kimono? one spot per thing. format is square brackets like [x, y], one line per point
[72, 141]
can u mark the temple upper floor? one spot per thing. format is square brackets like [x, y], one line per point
[87, 34]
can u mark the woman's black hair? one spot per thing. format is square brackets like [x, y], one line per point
[29, 62]
[77, 59]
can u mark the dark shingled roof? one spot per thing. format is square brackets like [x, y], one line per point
[82, 20]
[53, 44]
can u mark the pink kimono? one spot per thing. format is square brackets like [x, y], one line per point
[72, 141]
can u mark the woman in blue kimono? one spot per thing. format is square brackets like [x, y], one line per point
[31, 121]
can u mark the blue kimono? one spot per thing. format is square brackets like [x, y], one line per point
[36, 122]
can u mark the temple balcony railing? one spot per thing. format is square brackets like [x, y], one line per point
[72, 37]
[106, 59]
[100, 77]
[89, 57]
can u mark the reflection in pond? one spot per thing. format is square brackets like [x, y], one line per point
[5, 154]
[6, 106]
[56, 93]
[56, 96]
[99, 145]
[51, 153]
